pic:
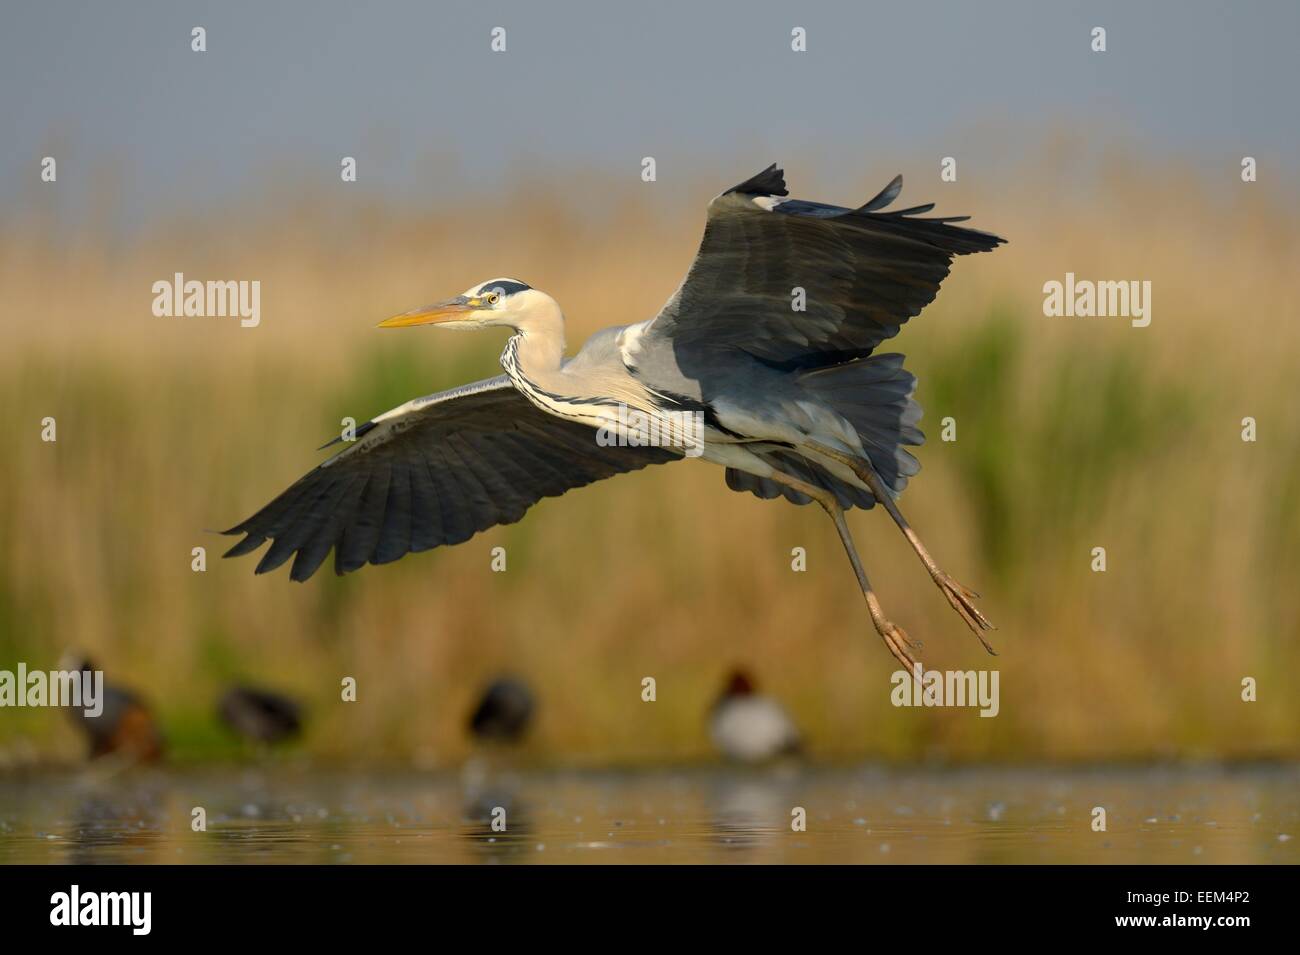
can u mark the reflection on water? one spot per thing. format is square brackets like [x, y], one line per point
[697, 815]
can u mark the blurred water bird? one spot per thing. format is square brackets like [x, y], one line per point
[259, 715]
[504, 712]
[748, 727]
[124, 729]
[762, 361]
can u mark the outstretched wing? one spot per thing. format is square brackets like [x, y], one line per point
[435, 471]
[864, 273]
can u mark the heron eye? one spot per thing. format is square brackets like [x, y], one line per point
[493, 298]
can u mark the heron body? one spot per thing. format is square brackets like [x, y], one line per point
[763, 361]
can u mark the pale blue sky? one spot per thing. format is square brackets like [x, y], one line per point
[296, 85]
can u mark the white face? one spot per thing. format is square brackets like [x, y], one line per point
[500, 302]
[492, 303]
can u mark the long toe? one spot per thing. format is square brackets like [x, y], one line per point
[899, 644]
[962, 600]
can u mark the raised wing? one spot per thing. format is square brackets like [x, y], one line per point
[864, 273]
[435, 471]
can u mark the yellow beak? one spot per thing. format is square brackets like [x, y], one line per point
[440, 312]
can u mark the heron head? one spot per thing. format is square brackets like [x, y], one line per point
[486, 305]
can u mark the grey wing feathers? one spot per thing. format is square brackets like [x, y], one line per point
[798, 466]
[435, 471]
[864, 273]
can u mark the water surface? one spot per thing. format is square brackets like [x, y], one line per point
[870, 815]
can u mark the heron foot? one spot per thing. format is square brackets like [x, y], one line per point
[962, 599]
[899, 643]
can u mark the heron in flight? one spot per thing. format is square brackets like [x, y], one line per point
[768, 347]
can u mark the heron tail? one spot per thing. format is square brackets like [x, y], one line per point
[874, 395]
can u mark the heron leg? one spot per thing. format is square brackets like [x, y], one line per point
[896, 639]
[961, 598]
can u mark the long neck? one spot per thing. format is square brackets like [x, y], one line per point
[540, 352]
[536, 350]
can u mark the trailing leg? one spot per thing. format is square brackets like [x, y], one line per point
[959, 596]
[896, 639]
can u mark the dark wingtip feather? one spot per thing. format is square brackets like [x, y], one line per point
[769, 182]
[245, 546]
[913, 211]
[305, 565]
[975, 240]
[884, 197]
[280, 550]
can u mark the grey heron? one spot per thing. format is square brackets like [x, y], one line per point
[788, 391]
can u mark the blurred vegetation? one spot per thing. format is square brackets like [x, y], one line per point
[1071, 434]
